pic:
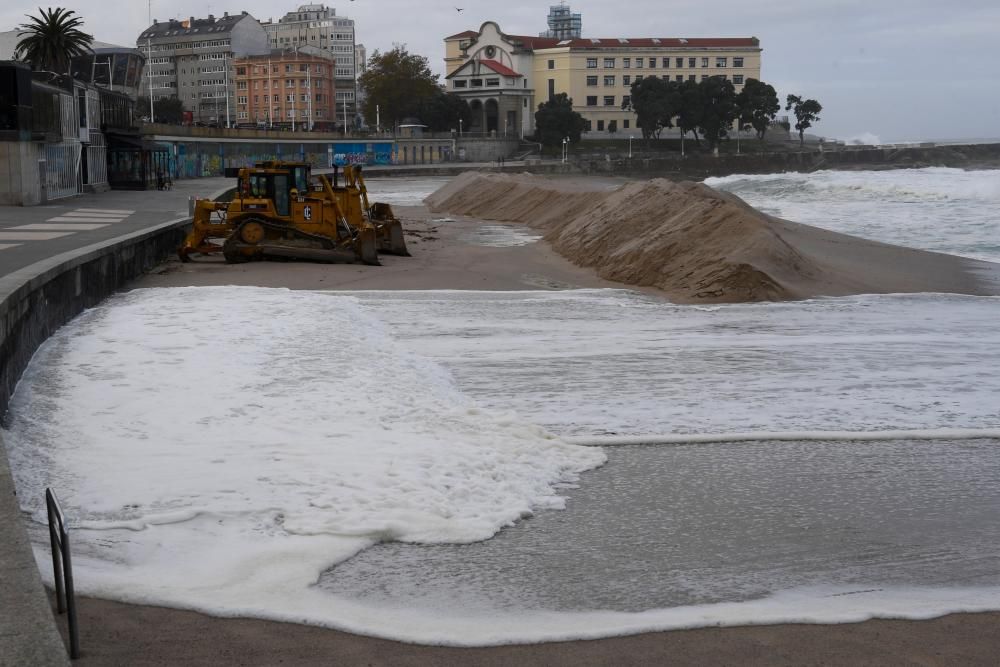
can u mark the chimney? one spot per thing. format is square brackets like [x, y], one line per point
[191, 22]
[154, 21]
[225, 15]
[211, 17]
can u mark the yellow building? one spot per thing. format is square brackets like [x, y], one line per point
[505, 77]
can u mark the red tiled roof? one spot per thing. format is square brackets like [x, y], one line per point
[498, 68]
[640, 42]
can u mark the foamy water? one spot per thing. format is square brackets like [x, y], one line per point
[941, 209]
[216, 459]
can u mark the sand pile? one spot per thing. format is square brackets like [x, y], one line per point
[684, 238]
[699, 244]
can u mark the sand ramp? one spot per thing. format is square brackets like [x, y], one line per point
[696, 243]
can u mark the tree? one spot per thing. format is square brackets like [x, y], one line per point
[51, 40]
[556, 120]
[442, 111]
[397, 83]
[758, 105]
[690, 107]
[806, 113]
[654, 103]
[168, 110]
[718, 110]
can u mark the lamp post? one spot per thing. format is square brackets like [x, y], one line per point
[738, 128]
[630, 147]
[459, 127]
[565, 143]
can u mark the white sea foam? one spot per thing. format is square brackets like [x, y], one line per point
[937, 208]
[218, 448]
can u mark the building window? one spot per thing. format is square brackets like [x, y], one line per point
[525, 105]
[638, 78]
[609, 80]
[627, 80]
[692, 77]
[493, 82]
[552, 88]
[639, 62]
[241, 100]
[626, 100]
[626, 63]
[704, 76]
[591, 63]
[600, 126]
[678, 78]
[609, 63]
[625, 124]
[704, 62]
[589, 126]
[679, 63]
[693, 62]
[256, 99]
[737, 62]
[592, 80]
[552, 64]
[609, 100]
[666, 63]
[477, 83]
[241, 71]
[591, 100]
[738, 79]
[721, 61]
[458, 84]
[652, 63]
[303, 98]
[288, 68]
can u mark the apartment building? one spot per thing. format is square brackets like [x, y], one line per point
[319, 26]
[597, 74]
[287, 89]
[193, 60]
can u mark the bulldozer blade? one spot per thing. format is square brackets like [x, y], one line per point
[327, 255]
[367, 247]
[391, 241]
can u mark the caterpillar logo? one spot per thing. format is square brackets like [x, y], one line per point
[307, 212]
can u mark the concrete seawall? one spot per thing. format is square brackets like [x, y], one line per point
[35, 302]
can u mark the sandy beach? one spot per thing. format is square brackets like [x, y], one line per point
[448, 254]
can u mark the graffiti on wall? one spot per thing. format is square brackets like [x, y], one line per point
[195, 159]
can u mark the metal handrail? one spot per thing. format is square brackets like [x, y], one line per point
[62, 566]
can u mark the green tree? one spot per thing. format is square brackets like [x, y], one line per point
[168, 110]
[441, 112]
[806, 113]
[52, 39]
[654, 102]
[718, 110]
[397, 82]
[758, 105]
[690, 108]
[556, 120]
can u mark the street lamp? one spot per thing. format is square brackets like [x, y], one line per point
[630, 147]
[459, 127]
[565, 143]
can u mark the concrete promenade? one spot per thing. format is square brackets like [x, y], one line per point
[37, 246]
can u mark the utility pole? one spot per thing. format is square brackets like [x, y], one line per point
[309, 96]
[225, 64]
[149, 59]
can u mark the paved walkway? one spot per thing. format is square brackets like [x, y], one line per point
[31, 238]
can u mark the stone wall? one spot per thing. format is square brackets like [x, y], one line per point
[20, 178]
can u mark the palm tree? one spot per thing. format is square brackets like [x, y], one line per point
[49, 41]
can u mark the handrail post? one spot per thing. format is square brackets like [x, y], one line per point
[62, 566]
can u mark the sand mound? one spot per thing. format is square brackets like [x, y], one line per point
[696, 243]
[683, 237]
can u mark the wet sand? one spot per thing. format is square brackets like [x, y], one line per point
[444, 258]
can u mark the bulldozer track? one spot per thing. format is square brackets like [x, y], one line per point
[232, 246]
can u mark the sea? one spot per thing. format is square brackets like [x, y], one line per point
[478, 468]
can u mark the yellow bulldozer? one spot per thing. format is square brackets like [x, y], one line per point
[279, 210]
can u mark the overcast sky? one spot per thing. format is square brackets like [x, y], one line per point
[896, 69]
